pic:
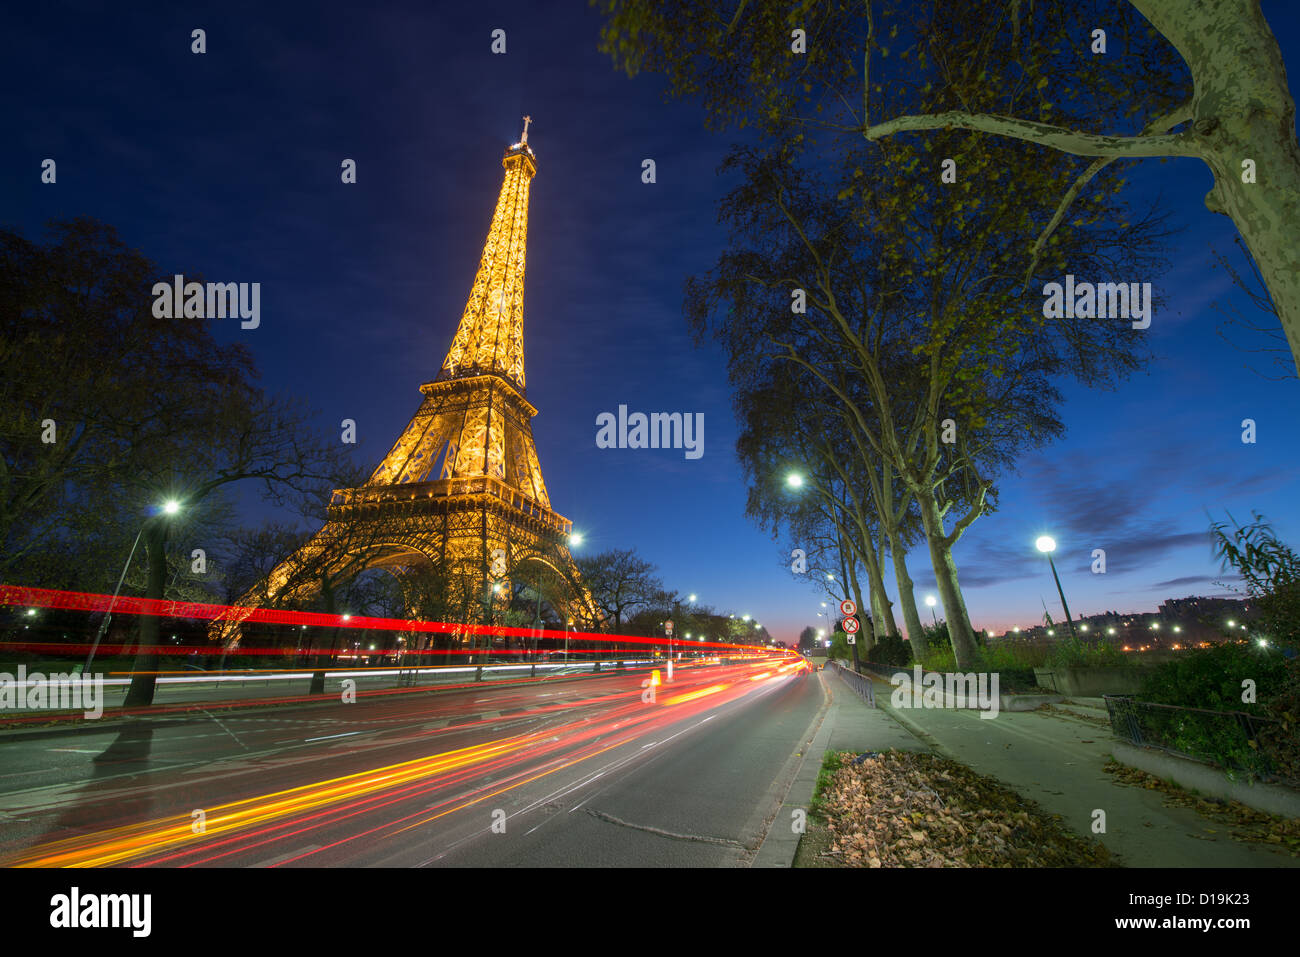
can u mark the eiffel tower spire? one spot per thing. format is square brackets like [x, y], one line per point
[490, 338]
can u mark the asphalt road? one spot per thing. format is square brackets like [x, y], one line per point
[580, 772]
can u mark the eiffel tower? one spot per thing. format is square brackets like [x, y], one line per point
[461, 487]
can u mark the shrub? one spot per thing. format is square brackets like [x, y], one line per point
[1072, 652]
[892, 650]
[1271, 571]
[1212, 678]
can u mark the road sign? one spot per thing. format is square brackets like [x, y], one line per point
[852, 640]
[668, 627]
[847, 608]
[850, 626]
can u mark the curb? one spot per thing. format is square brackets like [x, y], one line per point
[780, 845]
[1208, 780]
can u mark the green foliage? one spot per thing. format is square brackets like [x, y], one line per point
[939, 658]
[1013, 657]
[1270, 569]
[832, 761]
[1074, 652]
[840, 647]
[1212, 677]
[892, 650]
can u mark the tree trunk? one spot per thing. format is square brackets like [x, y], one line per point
[945, 574]
[907, 597]
[881, 611]
[1243, 110]
[144, 677]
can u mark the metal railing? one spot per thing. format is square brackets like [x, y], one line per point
[1233, 740]
[860, 684]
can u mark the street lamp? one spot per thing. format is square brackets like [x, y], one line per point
[794, 480]
[170, 507]
[575, 539]
[930, 600]
[1046, 544]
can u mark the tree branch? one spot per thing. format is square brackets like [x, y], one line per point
[1044, 134]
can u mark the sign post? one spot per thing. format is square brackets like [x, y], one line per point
[849, 608]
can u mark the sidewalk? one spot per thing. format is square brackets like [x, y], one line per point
[1055, 758]
[1052, 758]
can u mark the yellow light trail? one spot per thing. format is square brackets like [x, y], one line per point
[124, 843]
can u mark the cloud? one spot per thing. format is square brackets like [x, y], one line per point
[1191, 580]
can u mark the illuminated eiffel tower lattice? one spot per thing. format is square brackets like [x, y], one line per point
[461, 487]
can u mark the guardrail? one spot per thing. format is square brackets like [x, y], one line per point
[859, 683]
[1233, 740]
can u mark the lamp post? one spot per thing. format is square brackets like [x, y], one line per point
[1046, 544]
[930, 600]
[170, 507]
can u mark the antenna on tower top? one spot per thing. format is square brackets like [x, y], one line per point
[524, 138]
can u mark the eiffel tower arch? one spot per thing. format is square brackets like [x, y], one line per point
[462, 486]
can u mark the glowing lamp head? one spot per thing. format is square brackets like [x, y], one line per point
[575, 539]
[930, 600]
[794, 480]
[1045, 544]
[171, 507]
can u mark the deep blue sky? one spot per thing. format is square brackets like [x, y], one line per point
[228, 164]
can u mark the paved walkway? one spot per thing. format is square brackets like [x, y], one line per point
[1054, 758]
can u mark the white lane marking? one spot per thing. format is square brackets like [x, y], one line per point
[345, 734]
[73, 750]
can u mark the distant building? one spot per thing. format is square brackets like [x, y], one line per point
[1179, 623]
